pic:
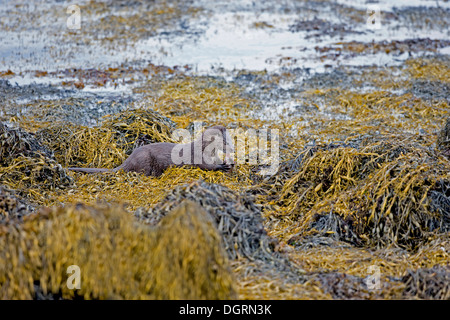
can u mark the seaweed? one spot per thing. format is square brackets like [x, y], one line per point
[443, 139]
[363, 181]
[118, 258]
[26, 163]
[386, 191]
[238, 219]
[16, 141]
[427, 283]
[108, 144]
[12, 206]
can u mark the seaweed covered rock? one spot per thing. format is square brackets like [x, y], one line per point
[108, 144]
[428, 283]
[343, 286]
[79, 146]
[237, 218]
[118, 258]
[388, 189]
[139, 127]
[443, 140]
[15, 142]
[192, 262]
[25, 162]
[11, 206]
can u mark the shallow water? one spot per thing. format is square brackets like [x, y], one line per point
[223, 35]
[234, 40]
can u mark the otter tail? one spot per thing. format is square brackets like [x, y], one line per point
[89, 170]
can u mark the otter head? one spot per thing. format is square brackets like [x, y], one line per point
[217, 140]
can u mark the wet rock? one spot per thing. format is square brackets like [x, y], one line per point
[318, 27]
[420, 17]
[431, 90]
[12, 92]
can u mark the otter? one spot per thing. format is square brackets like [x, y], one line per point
[153, 159]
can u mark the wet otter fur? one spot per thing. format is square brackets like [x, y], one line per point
[153, 159]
